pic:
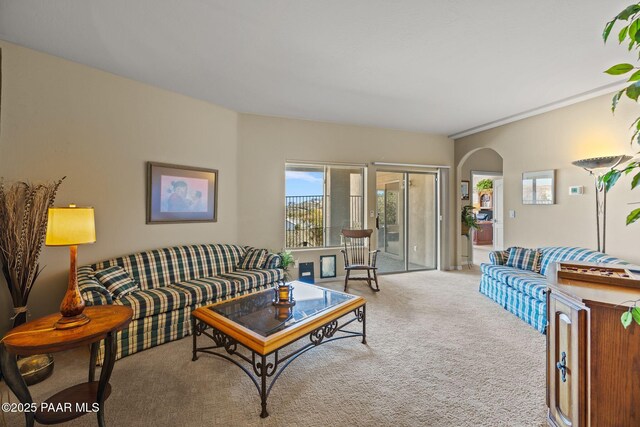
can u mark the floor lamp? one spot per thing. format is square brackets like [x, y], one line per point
[597, 167]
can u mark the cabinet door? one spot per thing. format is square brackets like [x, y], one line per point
[566, 361]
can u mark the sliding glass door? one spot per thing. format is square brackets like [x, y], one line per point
[406, 221]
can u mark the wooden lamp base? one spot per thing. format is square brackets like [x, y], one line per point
[72, 304]
[72, 322]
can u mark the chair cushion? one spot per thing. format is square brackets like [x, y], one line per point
[525, 259]
[527, 282]
[117, 281]
[248, 279]
[253, 259]
[148, 302]
[206, 289]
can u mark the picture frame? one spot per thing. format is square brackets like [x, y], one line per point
[464, 190]
[538, 188]
[327, 266]
[181, 194]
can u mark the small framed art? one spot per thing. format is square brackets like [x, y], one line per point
[464, 190]
[327, 266]
[181, 194]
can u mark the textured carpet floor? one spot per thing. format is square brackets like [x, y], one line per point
[439, 354]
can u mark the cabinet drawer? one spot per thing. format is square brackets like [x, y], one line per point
[566, 361]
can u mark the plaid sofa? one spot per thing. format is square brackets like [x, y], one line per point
[173, 282]
[524, 292]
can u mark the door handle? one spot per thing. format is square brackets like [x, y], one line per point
[378, 222]
[562, 367]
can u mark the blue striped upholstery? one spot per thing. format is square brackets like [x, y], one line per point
[499, 257]
[174, 281]
[523, 292]
[273, 261]
[556, 254]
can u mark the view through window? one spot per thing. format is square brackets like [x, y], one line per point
[321, 200]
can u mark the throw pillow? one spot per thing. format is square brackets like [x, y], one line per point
[117, 281]
[253, 259]
[524, 259]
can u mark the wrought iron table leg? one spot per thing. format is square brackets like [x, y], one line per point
[105, 373]
[194, 332]
[9, 368]
[92, 361]
[364, 324]
[263, 390]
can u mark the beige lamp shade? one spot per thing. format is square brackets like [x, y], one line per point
[72, 225]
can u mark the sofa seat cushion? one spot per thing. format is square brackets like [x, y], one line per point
[248, 279]
[535, 287]
[149, 302]
[206, 289]
[528, 282]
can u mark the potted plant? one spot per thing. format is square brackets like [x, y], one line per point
[629, 34]
[484, 185]
[468, 219]
[287, 261]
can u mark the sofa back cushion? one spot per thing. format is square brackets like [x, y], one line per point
[562, 253]
[162, 267]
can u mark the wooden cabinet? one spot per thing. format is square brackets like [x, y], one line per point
[593, 363]
[484, 234]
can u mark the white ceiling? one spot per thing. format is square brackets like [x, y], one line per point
[436, 66]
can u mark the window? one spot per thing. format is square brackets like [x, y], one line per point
[538, 188]
[321, 200]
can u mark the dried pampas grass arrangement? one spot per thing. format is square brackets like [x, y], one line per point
[23, 225]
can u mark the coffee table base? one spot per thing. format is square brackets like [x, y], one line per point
[270, 366]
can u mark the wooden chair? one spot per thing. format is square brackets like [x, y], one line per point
[358, 256]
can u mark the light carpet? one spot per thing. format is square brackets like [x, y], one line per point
[438, 354]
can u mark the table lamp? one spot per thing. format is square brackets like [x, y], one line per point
[71, 226]
[597, 167]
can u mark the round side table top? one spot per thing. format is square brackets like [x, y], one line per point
[38, 336]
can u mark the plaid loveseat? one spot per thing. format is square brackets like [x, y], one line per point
[173, 282]
[524, 292]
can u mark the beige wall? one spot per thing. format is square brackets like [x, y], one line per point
[486, 160]
[61, 118]
[552, 141]
[266, 143]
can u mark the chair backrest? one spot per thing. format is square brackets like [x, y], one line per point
[356, 246]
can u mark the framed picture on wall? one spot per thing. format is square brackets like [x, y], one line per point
[464, 190]
[327, 266]
[181, 194]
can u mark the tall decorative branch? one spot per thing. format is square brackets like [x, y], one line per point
[23, 225]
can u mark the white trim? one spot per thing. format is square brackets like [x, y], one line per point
[602, 90]
[323, 163]
[410, 165]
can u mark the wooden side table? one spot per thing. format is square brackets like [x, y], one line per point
[29, 339]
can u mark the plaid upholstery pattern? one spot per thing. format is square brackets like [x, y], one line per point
[91, 289]
[498, 257]
[560, 253]
[162, 267]
[531, 310]
[252, 278]
[151, 331]
[524, 292]
[116, 280]
[524, 259]
[173, 282]
[273, 261]
[254, 258]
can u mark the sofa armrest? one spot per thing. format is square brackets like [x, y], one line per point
[273, 261]
[498, 257]
[91, 289]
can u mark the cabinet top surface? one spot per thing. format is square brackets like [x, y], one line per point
[590, 291]
[40, 335]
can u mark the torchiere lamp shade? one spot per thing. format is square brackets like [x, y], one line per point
[70, 225]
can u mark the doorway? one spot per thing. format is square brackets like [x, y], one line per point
[406, 221]
[486, 199]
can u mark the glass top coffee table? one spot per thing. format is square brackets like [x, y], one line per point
[251, 330]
